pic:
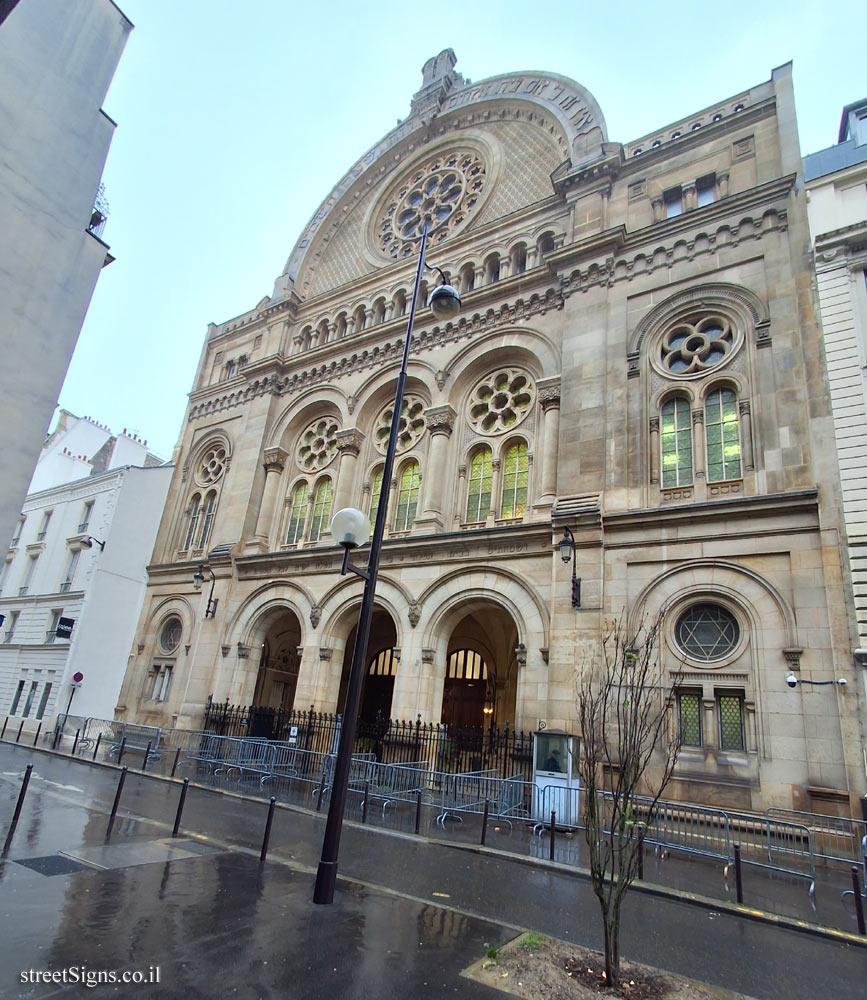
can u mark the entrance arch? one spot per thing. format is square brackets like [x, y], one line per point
[380, 668]
[480, 683]
[277, 677]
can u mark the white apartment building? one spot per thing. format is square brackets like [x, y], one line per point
[78, 553]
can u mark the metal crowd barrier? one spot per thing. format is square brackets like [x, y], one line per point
[467, 792]
[391, 783]
[834, 838]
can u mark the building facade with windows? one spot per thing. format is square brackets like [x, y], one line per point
[636, 359]
[836, 189]
[55, 70]
[78, 553]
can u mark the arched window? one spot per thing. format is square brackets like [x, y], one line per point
[340, 328]
[492, 269]
[407, 497]
[468, 278]
[209, 507]
[297, 513]
[321, 510]
[359, 316]
[422, 295]
[723, 437]
[378, 311]
[519, 259]
[375, 494]
[192, 523]
[676, 443]
[306, 337]
[516, 468]
[322, 333]
[546, 244]
[399, 303]
[479, 486]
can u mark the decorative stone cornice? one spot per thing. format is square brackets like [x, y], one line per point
[792, 656]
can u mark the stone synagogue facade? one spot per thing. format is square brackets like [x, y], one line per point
[637, 359]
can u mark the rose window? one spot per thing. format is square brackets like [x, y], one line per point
[694, 346]
[410, 428]
[318, 445]
[443, 192]
[501, 401]
[212, 466]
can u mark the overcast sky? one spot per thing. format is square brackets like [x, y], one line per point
[236, 119]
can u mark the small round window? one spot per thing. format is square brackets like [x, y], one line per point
[170, 636]
[707, 632]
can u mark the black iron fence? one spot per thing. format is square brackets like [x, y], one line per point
[393, 741]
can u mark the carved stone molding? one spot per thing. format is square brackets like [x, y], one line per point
[349, 441]
[225, 650]
[325, 652]
[744, 407]
[414, 613]
[315, 615]
[763, 333]
[427, 655]
[521, 654]
[274, 460]
[440, 419]
[697, 418]
[544, 651]
[654, 425]
[549, 394]
[243, 651]
[792, 656]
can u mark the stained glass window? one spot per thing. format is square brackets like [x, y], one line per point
[375, 494]
[723, 438]
[707, 632]
[515, 475]
[689, 716]
[297, 513]
[321, 510]
[407, 497]
[731, 721]
[676, 440]
[479, 486]
[195, 503]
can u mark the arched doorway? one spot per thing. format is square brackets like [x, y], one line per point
[380, 669]
[481, 671]
[278, 662]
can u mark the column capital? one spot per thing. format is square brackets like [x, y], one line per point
[697, 417]
[549, 393]
[440, 419]
[349, 441]
[654, 425]
[274, 459]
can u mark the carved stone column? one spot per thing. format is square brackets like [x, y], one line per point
[392, 501]
[496, 498]
[688, 193]
[549, 397]
[348, 446]
[746, 435]
[274, 462]
[654, 451]
[440, 421]
[698, 469]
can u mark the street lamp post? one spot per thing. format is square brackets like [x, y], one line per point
[444, 302]
[567, 552]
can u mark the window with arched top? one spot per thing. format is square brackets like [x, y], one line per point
[422, 295]
[340, 326]
[321, 510]
[722, 435]
[468, 278]
[306, 337]
[379, 311]
[359, 317]
[519, 259]
[675, 436]
[209, 509]
[375, 494]
[297, 513]
[492, 269]
[322, 333]
[192, 520]
[399, 303]
[407, 496]
[516, 472]
[479, 482]
[546, 244]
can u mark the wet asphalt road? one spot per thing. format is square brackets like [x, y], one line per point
[414, 914]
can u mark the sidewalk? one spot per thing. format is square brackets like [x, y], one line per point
[414, 914]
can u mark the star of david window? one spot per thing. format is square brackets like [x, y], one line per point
[707, 632]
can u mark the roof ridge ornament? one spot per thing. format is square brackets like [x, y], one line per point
[438, 81]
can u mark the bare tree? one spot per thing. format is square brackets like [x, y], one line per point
[629, 749]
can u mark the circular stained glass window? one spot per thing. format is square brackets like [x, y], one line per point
[170, 636]
[410, 427]
[707, 632]
[694, 346]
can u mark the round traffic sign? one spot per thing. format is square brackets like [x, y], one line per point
[78, 677]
